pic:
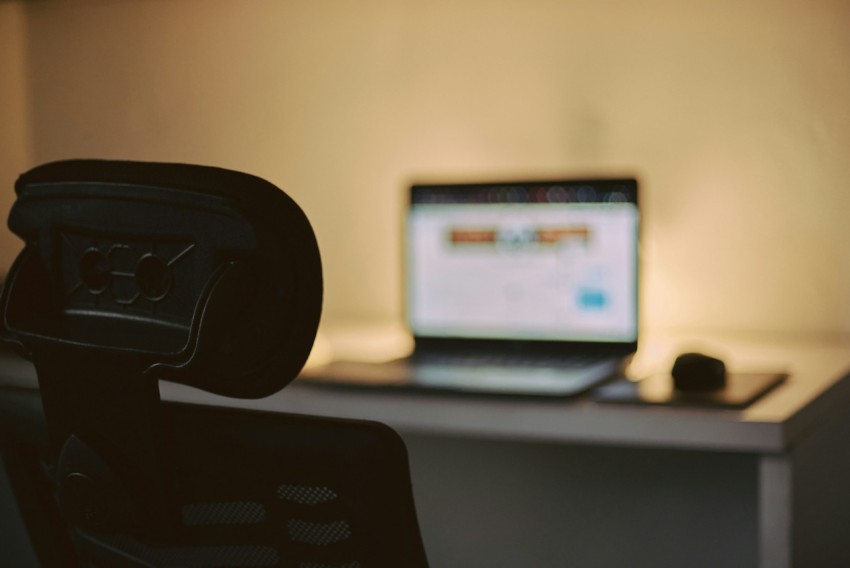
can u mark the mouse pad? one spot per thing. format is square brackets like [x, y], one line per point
[741, 390]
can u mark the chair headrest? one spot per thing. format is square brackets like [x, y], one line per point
[207, 276]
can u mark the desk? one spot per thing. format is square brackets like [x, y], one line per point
[578, 483]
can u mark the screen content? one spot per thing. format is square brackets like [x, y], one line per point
[549, 262]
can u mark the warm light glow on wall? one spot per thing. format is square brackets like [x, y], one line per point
[733, 113]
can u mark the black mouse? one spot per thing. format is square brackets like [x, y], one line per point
[698, 372]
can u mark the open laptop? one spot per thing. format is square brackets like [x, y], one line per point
[526, 288]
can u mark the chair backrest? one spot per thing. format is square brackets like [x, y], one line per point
[135, 272]
[254, 489]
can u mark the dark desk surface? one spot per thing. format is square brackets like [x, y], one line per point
[815, 388]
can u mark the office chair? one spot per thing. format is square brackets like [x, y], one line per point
[135, 272]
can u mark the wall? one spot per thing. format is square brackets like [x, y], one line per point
[15, 149]
[734, 114]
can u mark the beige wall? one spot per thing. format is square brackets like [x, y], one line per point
[735, 114]
[15, 150]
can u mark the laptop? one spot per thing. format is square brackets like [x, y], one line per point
[514, 288]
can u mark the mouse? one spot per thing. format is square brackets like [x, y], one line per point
[697, 372]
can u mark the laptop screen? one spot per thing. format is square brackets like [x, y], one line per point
[549, 261]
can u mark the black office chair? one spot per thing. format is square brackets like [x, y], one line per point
[135, 272]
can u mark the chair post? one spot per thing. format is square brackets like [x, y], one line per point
[107, 434]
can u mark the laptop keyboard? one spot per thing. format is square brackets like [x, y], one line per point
[509, 360]
[512, 374]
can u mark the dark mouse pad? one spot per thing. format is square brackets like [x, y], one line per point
[741, 390]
